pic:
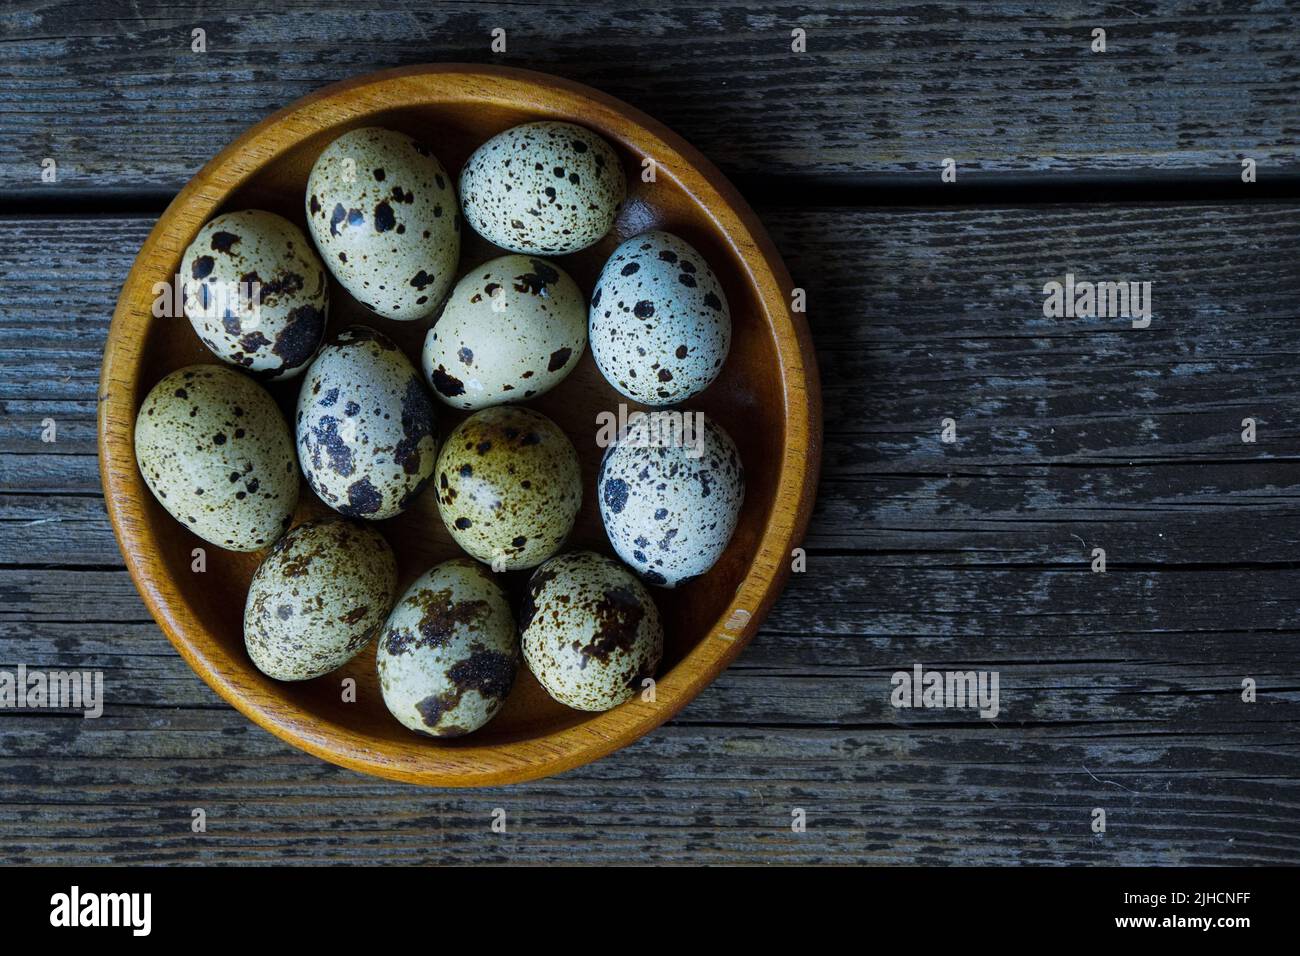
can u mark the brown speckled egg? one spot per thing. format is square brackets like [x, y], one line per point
[384, 215]
[318, 598]
[543, 188]
[366, 435]
[591, 632]
[448, 655]
[214, 449]
[509, 487]
[660, 325]
[274, 333]
[512, 329]
[671, 505]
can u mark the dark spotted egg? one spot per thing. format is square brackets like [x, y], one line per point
[543, 188]
[384, 215]
[660, 327]
[318, 598]
[591, 632]
[512, 329]
[670, 494]
[255, 292]
[448, 654]
[509, 486]
[366, 434]
[215, 451]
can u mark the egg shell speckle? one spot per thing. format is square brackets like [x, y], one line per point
[275, 336]
[384, 215]
[543, 188]
[670, 506]
[318, 598]
[215, 451]
[591, 632]
[366, 433]
[512, 329]
[448, 654]
[660, 326]
[509, 486]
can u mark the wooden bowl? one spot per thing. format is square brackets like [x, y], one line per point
[767, 397]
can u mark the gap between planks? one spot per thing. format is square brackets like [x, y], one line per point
[867, 189]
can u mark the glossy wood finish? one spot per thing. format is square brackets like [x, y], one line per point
[767, 397]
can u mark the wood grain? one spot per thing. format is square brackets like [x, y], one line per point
[883, 94]
[766, 394]
[1119, 690]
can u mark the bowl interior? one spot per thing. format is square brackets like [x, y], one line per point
[748, 399]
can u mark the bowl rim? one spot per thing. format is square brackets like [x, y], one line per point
[548, 96]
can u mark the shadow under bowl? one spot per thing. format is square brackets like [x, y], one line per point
[767, 398]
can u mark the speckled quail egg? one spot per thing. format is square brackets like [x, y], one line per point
[448, 655]
[512, 329]
[215, 451]
[543, 188]
[384, 215]
[591, 632]
[366, 434]
[509, 486]
[255, 293]
[320, 595]
[660, 327]
[670, 493]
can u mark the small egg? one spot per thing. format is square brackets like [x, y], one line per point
[512, 329]
[215, 451]
[255, 292]
[591, 632]
[366, 434]
[383, 212]
[671, 505]
[509, 486]
[448, 654]
[320, 595]
[660, 327]
[543, 188]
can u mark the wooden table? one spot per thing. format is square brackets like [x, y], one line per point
[1120, 691]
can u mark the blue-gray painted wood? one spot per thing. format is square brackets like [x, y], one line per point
[115, 93]
[1118, 690]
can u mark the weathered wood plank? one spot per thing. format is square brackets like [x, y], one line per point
[1119, 690]
[71, 528]
[860, 611]
[1092, 434]
[876, 797]
[118, 98]
[1046, 680]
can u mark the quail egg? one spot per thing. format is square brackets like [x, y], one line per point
[660, 327]
[320, 595]
[591, 632]
[366, 434]
[383, 212]
[215, 451]
[509, 487]
[670, 495]
[255, 292]
[512, 329]
[448, 654]
[543, 188]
